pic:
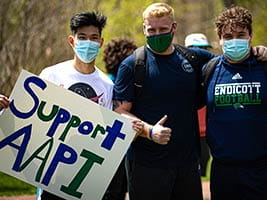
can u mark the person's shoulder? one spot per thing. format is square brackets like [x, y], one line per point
[216, 60]
[59, 67]
[217, 57]
[129, 60]
[199, 50]
[54, 71]
[202, 54]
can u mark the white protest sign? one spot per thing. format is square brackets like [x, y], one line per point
[55, 139]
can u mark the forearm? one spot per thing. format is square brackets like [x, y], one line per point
[124, 108]
[158, 133]
[146, 129]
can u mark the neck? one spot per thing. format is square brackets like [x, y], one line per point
[238, 61]
[84, 68]
[167, 52]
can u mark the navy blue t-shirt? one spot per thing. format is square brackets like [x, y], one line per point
[169, 89]
[237, 111]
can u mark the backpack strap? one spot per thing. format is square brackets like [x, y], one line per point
[208, 70]
[190, 55]
[140, 64]
[139, 69]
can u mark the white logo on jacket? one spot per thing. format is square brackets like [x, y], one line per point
[187, 67]
[237, 76]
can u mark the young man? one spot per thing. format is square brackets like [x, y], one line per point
[237, 110]
[80, 74]
[157, 171]
[199, 40]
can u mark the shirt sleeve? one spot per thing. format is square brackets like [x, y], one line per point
[124, 84]
[205, 55]
[109, 102]
[45, 74]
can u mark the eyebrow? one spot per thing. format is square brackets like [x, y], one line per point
[84, 34]
[242, 32]
[81, 34]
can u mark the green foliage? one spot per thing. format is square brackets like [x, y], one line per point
[10, 186]
[124, 21]
[258, 10]
[259, 15]
[33, 33]
[207, 178]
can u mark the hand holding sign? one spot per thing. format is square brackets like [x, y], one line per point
[4, 102]
[138, 126]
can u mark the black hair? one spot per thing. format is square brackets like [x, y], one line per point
[93, 18]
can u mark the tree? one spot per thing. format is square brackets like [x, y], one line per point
[34, 33]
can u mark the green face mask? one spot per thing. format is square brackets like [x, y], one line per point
[160, 42]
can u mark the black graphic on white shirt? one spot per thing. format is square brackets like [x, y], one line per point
[86, 91]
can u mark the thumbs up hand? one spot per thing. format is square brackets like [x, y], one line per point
[160, 134]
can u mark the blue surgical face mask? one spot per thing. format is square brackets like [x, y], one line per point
[86, 50]
[236, 49]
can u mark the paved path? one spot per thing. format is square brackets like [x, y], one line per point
[206, 194]
[206, 190]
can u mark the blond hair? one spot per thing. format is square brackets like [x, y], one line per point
[158, 10]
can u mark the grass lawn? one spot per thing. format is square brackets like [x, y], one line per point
[207, 178]
[10, 186]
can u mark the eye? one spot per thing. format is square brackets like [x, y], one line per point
[163, 30]
[82, 38]
[242, 35]
[228, 37]
[94, 38]
[150, 30]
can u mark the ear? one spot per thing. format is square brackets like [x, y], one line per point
[221, 42]
[250, 38]
[174, 26]
[101, 42]
[71, 40]
[144, 28]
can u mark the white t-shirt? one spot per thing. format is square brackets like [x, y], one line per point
[95, 86]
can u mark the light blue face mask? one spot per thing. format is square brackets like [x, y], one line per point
[236, 49]
[86, 50]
